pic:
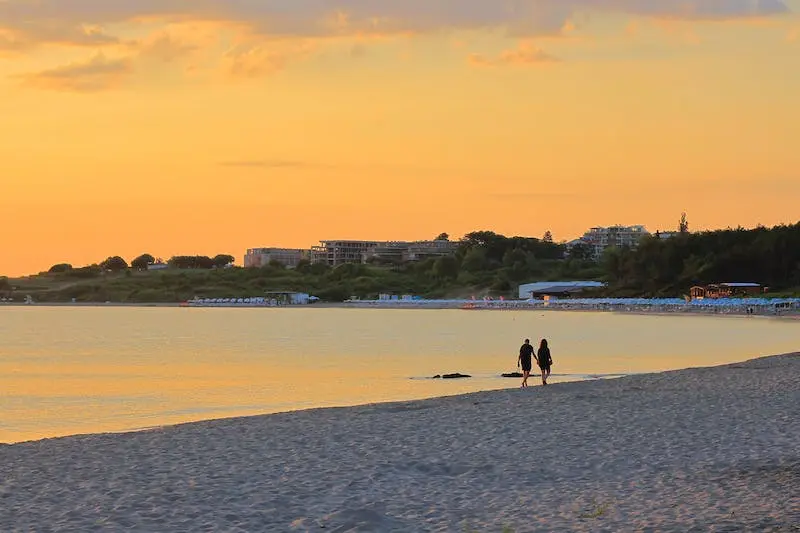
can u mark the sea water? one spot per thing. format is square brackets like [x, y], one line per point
[71, 370]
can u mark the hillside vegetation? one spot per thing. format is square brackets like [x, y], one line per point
[485, 264]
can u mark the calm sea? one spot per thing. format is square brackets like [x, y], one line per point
[70, 370]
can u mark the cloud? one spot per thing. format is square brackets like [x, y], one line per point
[255, 60]
[26, 35]
[526, 54]
[9, 42]
[100, 73]
[97, 74]
[271, 34]
[164, 47]
[700, 9]
[324, 18]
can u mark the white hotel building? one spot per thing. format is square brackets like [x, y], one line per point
[600, 238]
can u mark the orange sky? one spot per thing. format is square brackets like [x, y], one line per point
[140, 126]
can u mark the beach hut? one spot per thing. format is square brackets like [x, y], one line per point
[697, 292]
[725, 290]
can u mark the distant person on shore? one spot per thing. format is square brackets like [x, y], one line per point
[525, 361]
[544, 360]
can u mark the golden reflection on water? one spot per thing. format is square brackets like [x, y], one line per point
[87, 370]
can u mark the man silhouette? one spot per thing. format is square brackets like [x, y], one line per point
[525, 361]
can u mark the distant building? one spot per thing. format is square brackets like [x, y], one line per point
[390, 252]
[666, 234]
[556, 288]
[260, 257]
[600, 238]
[335, 253]
[725, 290]
[405, 252]
[421, 250]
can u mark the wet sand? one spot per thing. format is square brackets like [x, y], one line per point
[706, 449]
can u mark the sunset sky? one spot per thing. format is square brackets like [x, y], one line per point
[210, 126]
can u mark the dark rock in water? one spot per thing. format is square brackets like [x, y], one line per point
[512, 375]
[451, 376]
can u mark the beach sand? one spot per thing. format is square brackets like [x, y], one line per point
[707, 449]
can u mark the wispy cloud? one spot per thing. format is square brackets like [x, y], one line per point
[280, 32]
[97, 74]
[9, 42]
[526, 54]
[164, 47]
[28, 34]
[259, 59]
[100, 73]
[81, 21]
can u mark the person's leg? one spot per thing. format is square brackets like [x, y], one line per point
[548, 374]
[525, 374]
[544, 375]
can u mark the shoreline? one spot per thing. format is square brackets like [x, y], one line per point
[556, 378]
[701, 448]
[635, 309]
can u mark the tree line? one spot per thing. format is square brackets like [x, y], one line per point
[143, 262]
[661, 267]
[484, 263]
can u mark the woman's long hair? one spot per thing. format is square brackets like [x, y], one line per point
[543, 345]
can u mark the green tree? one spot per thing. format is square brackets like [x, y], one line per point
[442, 237]
[501, 284]
[347, 271]
[581, 251]
[683, 225]
[475, 260]
[548, 237]
[87, 272]
[445, 267]
[223, 260]
[314, 269]
[114, 263]
[191, 261]
[143, 261]
[60, 268]
[5, 285]
[514, 256]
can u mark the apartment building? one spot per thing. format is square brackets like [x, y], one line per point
[421, 250]
[335, 253]
[390, 251]
[259, 257]
[600, 238]
[402, 251]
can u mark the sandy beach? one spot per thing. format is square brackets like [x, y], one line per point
[706, 449]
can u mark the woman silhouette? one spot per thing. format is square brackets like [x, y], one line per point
[544, 360]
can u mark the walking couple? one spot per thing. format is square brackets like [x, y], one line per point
[543, 359]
